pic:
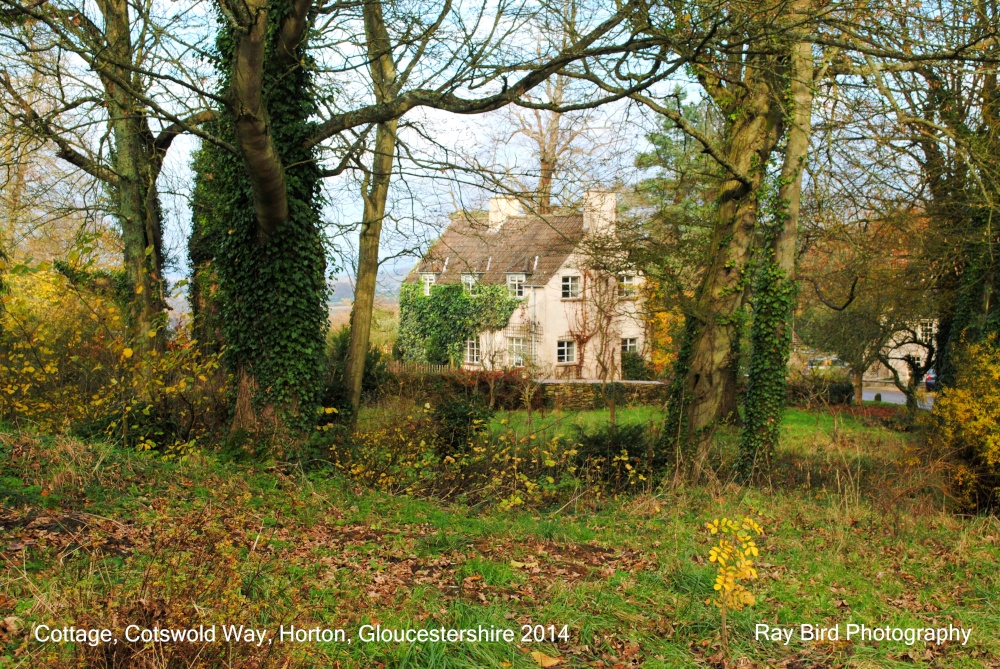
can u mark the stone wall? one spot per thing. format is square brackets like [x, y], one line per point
[584, 395]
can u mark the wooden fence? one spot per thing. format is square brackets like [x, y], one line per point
[398, 366]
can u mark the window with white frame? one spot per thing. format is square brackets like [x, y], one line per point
[515, 285]
[571, 287]
[517, 349]
[627, 285]
[630, 345]
[428, 280]
[472, 352]
[566, 352]
[926, 331]
[469, 282]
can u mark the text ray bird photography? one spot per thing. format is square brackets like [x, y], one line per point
[437, 334]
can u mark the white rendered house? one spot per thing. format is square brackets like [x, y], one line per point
[574, 320]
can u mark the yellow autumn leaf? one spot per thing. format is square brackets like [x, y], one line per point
[138, 289]
[127, 353]
[543, 660]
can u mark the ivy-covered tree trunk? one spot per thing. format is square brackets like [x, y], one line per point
[203, 243]
[696, 397]
[774, 298]
[261, 219]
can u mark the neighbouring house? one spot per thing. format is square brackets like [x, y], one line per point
[575, 315]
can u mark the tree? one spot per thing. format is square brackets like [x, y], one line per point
[375, 192]
[857, 334]
[269, 96]
[774, 295]
[605, 305]
[118, 44]
[745, 84]
[743, 65]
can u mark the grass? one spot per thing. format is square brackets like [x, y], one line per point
[96, 536]
[553, 423]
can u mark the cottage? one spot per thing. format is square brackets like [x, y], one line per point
[577, 315]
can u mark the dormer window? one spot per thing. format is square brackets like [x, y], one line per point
[571, 287]
[515, 285]
[428, 279]
[469, 282]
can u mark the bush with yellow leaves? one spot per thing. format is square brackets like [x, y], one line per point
[66, 366]
[733, 557]
[965, 423]
[406, 449]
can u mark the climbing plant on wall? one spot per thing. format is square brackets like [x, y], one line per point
[271, 296]
[433, 328]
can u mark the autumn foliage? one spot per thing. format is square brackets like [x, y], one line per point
[66, 366]
[966, 421]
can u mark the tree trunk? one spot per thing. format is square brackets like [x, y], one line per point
[729, 410]
[859, 388]
[750, 138]
[375, 192]
[135, 194]
[261, 220]
[543, 197]
[771, 337]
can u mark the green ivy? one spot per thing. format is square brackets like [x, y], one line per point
[433, 328]
[770, 344]
[974, 314]
[3, 285]
[271, 293]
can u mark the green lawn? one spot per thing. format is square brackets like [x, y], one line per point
[564, 424]
[95, 536]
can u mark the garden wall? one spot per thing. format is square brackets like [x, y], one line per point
[583, 395]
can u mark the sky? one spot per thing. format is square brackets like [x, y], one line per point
[421, 198]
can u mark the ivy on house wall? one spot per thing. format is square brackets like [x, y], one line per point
[433, 328]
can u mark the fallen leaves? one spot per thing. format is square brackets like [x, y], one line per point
[543, 660]
[9, 627]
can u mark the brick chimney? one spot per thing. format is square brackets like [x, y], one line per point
[503, 207]
[600, 211]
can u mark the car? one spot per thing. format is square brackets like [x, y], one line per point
[826, 363]
[930, 380]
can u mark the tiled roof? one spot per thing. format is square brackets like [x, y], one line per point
[535, 245]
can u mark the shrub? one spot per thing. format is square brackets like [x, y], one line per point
[65, 365]
[817, 388]
[621, 456]
[966, 422]
[502, 389]
[374, 382]
[449, 453]
[636, 368]
[458, 421]
[396, 455]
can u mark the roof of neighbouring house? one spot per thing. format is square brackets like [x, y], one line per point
[534, 245]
